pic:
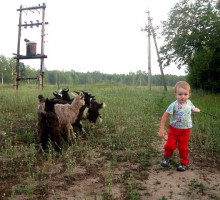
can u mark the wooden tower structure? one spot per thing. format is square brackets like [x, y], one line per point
[31, 48]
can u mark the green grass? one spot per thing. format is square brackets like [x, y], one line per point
[130, 124]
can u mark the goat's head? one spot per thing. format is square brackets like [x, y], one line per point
[57, 95]
[78, 99]
[49, 105]
[41, 104]
[93, 112]
[64, 94]
[88, 98]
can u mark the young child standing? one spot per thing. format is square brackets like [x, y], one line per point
[179, 127]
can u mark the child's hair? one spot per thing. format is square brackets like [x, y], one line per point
[182, 84]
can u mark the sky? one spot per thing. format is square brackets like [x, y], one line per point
[88, 35]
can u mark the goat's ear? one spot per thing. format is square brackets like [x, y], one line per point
[66, 90]
[81, 94]
[103, 105]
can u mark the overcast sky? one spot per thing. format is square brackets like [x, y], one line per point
[88, 35]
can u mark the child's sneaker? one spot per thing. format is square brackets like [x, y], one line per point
[165, 162]
[182, 168]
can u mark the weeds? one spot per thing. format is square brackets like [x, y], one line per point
[194, 185]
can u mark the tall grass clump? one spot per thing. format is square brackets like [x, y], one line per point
[206, 131]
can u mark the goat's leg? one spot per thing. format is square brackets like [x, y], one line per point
[43, 132]
[44, 138]
[71, 134]
[57, 139]
[78, 125]
[68, 134]
[64, 135]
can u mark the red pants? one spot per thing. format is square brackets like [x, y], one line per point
[177, 138]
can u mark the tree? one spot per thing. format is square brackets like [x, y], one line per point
[192, 32]
[7, 66]
[204, 70]
[3, 65]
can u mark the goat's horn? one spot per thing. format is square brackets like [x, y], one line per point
[103, 105]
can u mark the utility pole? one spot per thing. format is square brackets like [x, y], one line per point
[32, 51]
[149, 28]
[42, 67]
[149, 53]
[158, 56]
[16, 75]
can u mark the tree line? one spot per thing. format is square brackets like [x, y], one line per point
[140, 78]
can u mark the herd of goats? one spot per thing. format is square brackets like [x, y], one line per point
[59, 116]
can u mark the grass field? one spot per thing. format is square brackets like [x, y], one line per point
[107, 157]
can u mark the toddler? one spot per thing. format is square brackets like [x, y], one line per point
[179, 126]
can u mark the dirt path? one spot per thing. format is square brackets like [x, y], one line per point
[197, 182]
[160, 184]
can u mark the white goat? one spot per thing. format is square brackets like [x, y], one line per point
[67, 113]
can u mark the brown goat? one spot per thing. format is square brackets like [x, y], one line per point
[68, 113]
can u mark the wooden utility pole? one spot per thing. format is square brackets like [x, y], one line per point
[16, 75]
[41, 56]
[158, 56]
[42, 67]
[149, 28]
[149, 53]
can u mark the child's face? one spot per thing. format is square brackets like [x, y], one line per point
[182, 95]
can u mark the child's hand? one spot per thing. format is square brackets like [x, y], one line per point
[196, 110]
[162, 133]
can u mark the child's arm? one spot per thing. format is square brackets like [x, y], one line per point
[196, 110]
[162, 131]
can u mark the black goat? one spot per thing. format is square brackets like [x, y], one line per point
[48, 125]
